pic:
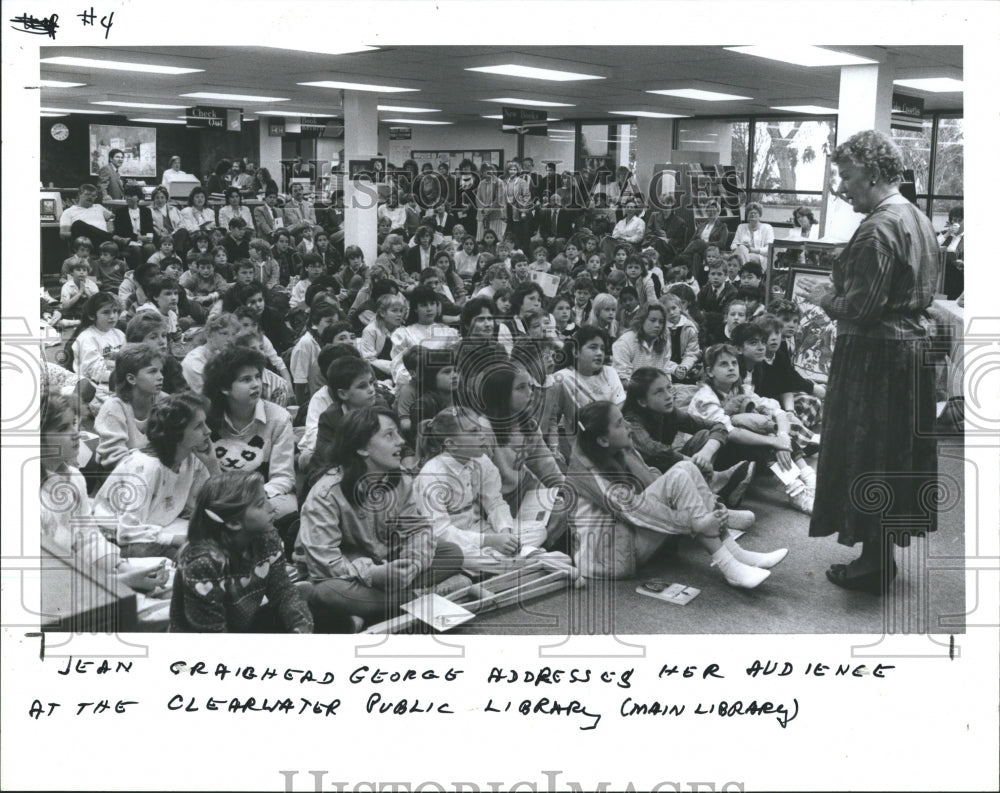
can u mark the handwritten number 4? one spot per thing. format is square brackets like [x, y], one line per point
[88, 18]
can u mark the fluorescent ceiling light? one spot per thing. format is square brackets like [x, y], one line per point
[235, 97]
[59, 84]
[159, 120]
[397, 109]
[531, 73]
[413, 121]
[815, 110]
[332, 49]
[380, 89]
[936, 85]
[52, 115]
[500, 118]
[142, 105]
[68, 110]
[122, 66]
[697, 93]
[307, 113]
[644, 114]
[698, 141]
[802, 55]
[509, 100]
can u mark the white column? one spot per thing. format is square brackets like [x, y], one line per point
[865, 99]
[270, 152]
[654, 138]
[865, 103]
[360, 200]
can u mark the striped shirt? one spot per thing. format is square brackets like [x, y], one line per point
[884, 280]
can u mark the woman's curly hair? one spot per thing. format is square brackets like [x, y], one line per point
[873, 151]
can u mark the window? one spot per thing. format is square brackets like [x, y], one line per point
[916, 148]
[790, 154]
[949, 158]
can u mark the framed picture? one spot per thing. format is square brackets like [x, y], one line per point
[785, 254]
[817, 332]
[138, 144]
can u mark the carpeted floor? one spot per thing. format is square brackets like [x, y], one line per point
[928, 596]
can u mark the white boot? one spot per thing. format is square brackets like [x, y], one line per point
[800, 496]
[736, 573]
[765, 561]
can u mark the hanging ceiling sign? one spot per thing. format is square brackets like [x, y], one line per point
[524, 121]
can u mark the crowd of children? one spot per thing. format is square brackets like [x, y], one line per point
[377, 427]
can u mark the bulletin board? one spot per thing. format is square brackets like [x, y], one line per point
[137, 143]
[454, 158]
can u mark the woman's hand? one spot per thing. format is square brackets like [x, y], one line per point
[505, 543]
[680, 372]
[819, 390]
[814, 293]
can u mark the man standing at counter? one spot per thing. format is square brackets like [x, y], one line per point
[111, 180]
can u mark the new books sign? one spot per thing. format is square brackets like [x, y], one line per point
[523, 121]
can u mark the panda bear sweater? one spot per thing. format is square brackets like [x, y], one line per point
[265, 445]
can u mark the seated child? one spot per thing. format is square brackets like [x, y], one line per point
[143, 500]
[121, 421]
[362, 537]
[110, 270]
[624, 512]
[232, 563]
[77, 289]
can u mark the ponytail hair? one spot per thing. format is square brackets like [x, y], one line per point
[223, 499]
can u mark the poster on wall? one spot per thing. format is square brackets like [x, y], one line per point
[137, 143]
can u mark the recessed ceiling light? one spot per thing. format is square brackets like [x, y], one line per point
[307, 113]
[531, 73]
[802, 55]
[159, 120]
[414, 121]
[142, 105]
[936, 85]
[59, 84]
[68, 110]
[697, 93]
[509, 100]
[396, 109]
[815, 110]
[52, 115]
[333, 49]
[644, 114]
[235, 97]
[123, 66]
[380, 89]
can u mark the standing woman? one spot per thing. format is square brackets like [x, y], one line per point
[880, 405]
[517, 192]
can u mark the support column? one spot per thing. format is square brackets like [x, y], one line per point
[865, 99]
[865, 103]
[270, 152]
[360, 199]
[654, 139]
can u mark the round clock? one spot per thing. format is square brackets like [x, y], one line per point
[60, 131]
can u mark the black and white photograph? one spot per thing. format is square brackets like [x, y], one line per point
[524, 442]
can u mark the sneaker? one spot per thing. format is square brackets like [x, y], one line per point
[808, 475]
[734, 490]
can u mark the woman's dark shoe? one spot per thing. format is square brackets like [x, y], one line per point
[875, 582]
